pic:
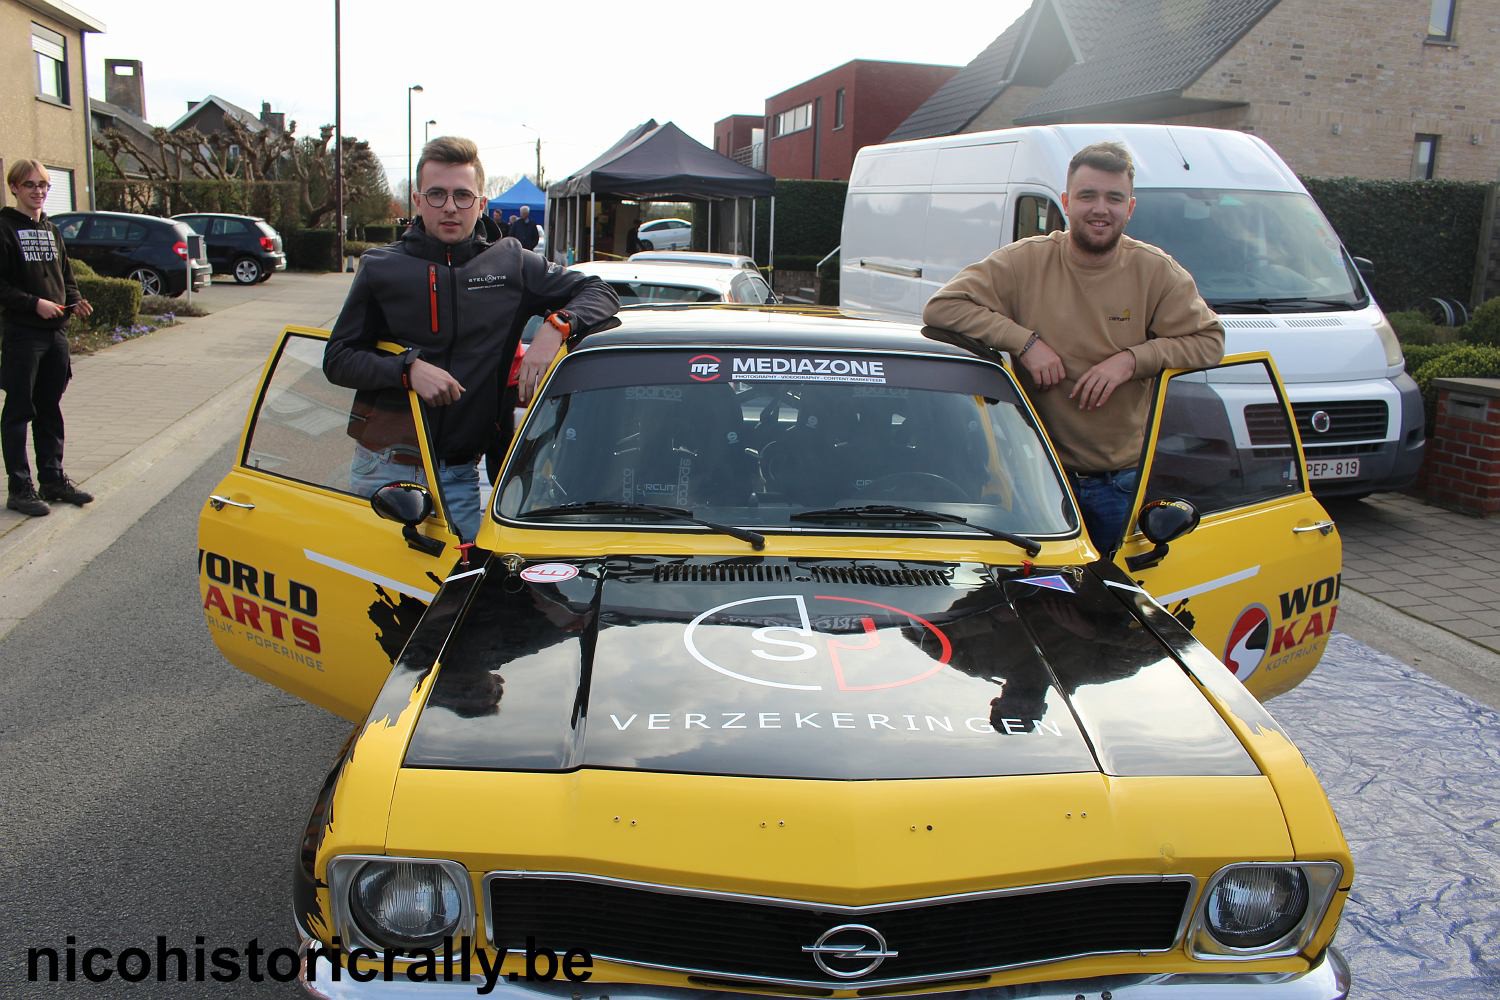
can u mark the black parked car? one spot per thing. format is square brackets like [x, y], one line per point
[241, 245]
[143, 248]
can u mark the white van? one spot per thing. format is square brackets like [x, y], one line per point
[1222, 203]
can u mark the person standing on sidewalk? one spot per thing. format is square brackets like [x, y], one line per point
[37, 294]
[1089, 317]
[525, 230]
[457, 303]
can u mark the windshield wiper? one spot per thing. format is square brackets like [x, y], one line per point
[757, 541]
[1271, 305]
[880, 511]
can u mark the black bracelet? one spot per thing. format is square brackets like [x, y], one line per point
[1029, 344]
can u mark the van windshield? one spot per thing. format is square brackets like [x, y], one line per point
[1251, 251]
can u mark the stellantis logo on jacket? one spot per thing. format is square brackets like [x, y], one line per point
[479, 282]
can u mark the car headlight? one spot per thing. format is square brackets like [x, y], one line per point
[400, 903]
[1263, 910]
[1255, 906]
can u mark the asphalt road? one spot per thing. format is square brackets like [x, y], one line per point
[151, 790]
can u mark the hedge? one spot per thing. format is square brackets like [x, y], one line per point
[311, 250]
[115, 300]
[809, 222]
[1484, 326]
[1422, 236]
[380, 234]
[274, 201]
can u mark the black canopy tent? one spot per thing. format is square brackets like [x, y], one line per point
[654, 162]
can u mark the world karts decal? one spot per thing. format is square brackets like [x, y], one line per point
[275, 613]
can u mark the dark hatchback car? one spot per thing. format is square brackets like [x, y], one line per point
[242, 245]
[143, 248]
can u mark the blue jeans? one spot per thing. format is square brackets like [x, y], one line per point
[458, 483]
[1105, 499]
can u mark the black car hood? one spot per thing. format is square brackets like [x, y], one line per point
[812, 669]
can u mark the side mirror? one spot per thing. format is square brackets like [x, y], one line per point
[1365, 267]
[1162, 521]
[408, 504]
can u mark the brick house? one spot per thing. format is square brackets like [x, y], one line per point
[1364, 88]
[742, 139]
[44, 96]
[814, 129]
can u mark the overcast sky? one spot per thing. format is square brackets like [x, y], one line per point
[580, 77]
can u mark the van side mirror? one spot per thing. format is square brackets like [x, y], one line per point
[407, 504]
[1162, 521]
[1365, 267]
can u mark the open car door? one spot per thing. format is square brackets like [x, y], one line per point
[1257, 578]
[303, 584]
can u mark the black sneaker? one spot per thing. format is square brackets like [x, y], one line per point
[64, 490]
[23, 498]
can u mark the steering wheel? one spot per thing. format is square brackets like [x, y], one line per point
[916, 486]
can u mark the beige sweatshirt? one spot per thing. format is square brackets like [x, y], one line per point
[1140, 300]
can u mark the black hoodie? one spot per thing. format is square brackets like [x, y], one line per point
[461, 307]
[33, 265]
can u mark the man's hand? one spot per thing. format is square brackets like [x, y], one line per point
[83, 309]
[537, 360]
[1043, 365]
[47, 309]
[433, 384]
[1099, 382]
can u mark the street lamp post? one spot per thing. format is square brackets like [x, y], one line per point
[538, 176]
[415, 88]
[425, 126]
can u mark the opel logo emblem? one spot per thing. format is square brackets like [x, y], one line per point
[1321, 421]
[850, 951]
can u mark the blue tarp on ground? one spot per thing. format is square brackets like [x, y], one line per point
[523, 192]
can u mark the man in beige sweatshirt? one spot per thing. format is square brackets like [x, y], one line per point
[1090, 317]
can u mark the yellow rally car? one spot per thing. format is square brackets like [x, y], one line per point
[783, 667]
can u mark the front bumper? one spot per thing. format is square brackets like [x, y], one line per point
[1327, 980]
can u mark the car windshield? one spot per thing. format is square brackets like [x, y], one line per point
[786, 440]
[1250, 251]
[633, 293]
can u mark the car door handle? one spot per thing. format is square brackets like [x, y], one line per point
[219, 503]
[1322, 527]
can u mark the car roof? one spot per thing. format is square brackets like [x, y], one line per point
[220, 215]
[694, 257]
[736, 327]
[673, 219]
[709, 276]
[134, 216]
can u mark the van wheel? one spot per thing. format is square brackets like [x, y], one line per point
[247, 270]
[150, 281]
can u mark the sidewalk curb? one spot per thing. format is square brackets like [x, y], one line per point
[36, 561]
[1432, 649]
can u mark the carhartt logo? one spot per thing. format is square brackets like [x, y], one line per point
[1121, 317]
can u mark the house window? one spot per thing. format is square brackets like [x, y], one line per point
[1424, 157]
[1440, 21]
[51, 53]
[838, 108]
[794, 120]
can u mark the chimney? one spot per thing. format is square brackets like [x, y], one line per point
[273, 119]
[125, 85]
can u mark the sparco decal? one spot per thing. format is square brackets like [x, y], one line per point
[273, 611]
[845, 647]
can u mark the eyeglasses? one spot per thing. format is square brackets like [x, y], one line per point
[438, 197]
[41, 185]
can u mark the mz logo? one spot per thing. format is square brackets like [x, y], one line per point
[703, 368]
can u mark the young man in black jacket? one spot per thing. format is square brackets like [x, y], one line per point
[37, 294]
[458, 303]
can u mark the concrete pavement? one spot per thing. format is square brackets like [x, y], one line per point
[1419, 582]
[143, 414]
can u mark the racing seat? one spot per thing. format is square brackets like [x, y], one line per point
[812, 464]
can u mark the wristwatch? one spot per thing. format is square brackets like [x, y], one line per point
[407, 360]
[563, 320]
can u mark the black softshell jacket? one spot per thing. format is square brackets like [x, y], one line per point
[461, 307]
[33, 265]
